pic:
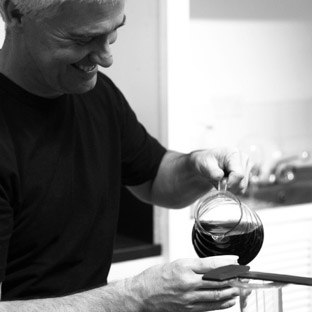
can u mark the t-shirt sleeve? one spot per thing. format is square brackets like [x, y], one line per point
[141, 152]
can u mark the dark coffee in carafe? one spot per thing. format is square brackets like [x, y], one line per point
[226, 226]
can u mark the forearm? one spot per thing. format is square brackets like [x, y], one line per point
[183, 178]
[116, 296]
[178, 183]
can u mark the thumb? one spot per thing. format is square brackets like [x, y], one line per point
[207, 264]
[210, 169]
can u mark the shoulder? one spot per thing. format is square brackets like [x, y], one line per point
[105, 90]
[104, 104]
[105, 81]
[107, 94]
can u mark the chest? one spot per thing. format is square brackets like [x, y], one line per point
[67, 161]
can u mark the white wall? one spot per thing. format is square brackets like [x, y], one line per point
[251, 74]
[136, 67]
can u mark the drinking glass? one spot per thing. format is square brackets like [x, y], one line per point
[260, 296]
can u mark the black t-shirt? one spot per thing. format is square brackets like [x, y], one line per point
[62, 163]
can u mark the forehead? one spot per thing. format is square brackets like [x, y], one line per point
[75, 16]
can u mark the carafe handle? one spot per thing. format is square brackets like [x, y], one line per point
[242, 271]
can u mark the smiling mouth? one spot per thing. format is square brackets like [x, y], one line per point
[84, 68]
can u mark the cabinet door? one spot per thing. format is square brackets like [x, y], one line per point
[287, 249]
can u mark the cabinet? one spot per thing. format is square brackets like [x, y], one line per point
[287, 249]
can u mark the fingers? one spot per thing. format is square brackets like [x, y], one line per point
[208, 166]
[220, 162]
[215, 299]
[211, 305]
[243, 298]
[203, 265]
[238, 167]
[218, 294]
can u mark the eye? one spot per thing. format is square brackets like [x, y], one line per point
[84, 40]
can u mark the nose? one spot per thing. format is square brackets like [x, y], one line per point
[102, 54]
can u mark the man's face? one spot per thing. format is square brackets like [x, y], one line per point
[62, 53]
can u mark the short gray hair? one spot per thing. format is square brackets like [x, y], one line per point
[41, 8]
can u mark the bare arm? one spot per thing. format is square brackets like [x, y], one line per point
[183, 178]
[175, 286]
[113, 297]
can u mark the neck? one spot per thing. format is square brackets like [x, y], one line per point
[12, 66]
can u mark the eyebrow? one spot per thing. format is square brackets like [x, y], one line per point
[95, 34]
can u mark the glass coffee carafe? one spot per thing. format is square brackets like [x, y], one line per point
[225, 225]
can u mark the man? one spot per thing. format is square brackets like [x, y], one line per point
[68, 141]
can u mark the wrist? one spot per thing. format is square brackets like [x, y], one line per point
[133, 294]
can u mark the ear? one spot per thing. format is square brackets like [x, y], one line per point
[13, 17]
